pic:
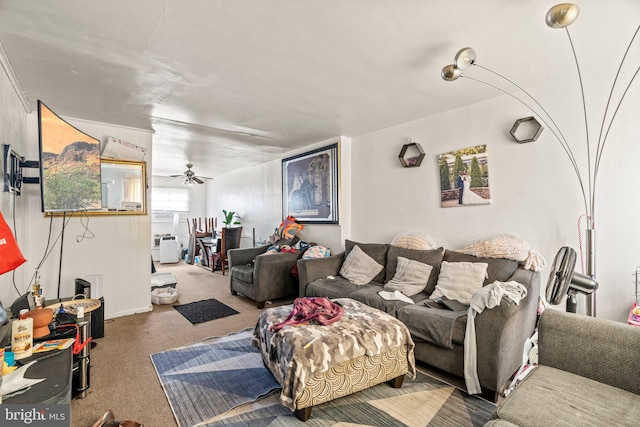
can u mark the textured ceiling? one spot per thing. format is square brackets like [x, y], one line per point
[228, 84]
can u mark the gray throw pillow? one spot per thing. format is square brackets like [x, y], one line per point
[377, 251]
[359, 268]
[411, 277]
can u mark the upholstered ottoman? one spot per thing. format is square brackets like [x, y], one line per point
[315, 364]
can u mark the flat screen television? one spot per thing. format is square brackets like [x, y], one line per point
[69, 165]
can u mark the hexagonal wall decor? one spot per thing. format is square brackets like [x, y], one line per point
[527, 129]
[411, 155]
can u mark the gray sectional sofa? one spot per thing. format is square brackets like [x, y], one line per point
[501, 331]
[588, 375]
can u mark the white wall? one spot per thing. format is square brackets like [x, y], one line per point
[256, 195]
[535, 193]
[119, 254]
[13, 131]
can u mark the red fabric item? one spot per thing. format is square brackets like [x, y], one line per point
[316, 310]
[10, 255]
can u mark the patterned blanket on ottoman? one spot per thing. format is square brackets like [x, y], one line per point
[298, 353]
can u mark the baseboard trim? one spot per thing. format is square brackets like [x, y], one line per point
[128, 312]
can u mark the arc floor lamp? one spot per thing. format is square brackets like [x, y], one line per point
[561, 16]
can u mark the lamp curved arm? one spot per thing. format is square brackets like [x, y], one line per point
[566, 148]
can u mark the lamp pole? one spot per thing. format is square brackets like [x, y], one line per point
[560, 16]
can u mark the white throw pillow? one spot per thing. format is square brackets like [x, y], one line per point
[411, 277]
[459, 280]
[414, 240]
[359, 268]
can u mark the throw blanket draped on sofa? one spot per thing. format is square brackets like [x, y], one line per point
[487, 297]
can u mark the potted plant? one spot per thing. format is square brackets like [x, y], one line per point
[230, 218]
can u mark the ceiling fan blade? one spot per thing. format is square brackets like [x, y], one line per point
[198, 180]
[176, 176]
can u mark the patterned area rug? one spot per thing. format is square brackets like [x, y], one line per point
[422, 402]
[212, 384]
[211, 377]
[204, 310]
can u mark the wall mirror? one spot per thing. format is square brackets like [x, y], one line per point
[124, 188]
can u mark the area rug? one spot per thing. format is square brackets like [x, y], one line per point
[213, 376]
[204, 310]
[223, 382]
[422, 402]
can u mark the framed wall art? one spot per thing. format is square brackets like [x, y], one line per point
[464, 177]
[310, 186]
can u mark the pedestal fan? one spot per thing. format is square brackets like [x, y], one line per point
[564, 280]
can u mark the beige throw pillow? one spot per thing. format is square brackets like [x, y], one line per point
[411, 277]
[414, 240]
[459, 280]
[359, 268]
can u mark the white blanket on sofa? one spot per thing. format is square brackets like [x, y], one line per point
[486, 297]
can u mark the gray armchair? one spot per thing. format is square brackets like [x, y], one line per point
[268, 277]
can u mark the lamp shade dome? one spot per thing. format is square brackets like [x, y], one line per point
[465, 58]
[450, 72]
[562, 15]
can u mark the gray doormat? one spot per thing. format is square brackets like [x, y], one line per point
[204, 310]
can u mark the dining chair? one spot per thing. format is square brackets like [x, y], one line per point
[229, 239]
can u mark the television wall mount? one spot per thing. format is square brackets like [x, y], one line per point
[13, 163]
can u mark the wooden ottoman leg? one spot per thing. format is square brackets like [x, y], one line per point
[396, 382]
[304, 413]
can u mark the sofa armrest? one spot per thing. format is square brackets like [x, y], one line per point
[317, 268]
[244, 256]
[503, 330]
[599, 349]
[272, 275]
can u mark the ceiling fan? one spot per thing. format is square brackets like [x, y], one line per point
[190, 178]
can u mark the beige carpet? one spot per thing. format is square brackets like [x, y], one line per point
[122, 376]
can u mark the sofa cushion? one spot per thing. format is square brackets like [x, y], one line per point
[433, 257]
[498, 268]
[359, 268]
[411, 277]
[460, 280]
[563, 398]
[437, 326]
[377, 251]
[243, 272]
[369, 295]
[338, 287]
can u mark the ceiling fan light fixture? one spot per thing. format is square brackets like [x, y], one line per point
[189, 182]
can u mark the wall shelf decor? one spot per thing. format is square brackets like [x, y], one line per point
[527, 129]
[411, 155]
